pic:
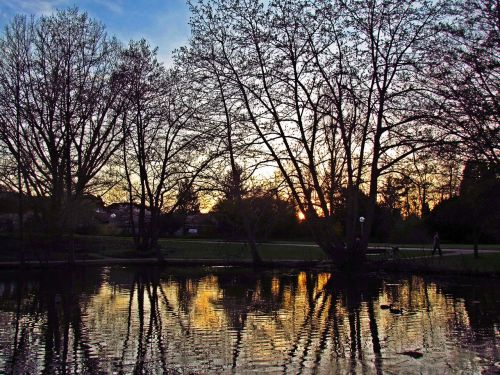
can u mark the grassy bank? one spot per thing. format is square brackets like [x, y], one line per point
[97, 247]
[108, 247]
[462, 264]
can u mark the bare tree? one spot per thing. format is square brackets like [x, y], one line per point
[237, 146]
[166, 143]
[69, 114]
[466, 75]
[332, 89]
[391, 39]
[12, 72]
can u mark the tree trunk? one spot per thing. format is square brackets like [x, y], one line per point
[73, 209]
[20, 218]
[476, 240]
[252, 245]
[247, 228]
[141, 227]
[345, 257]
[154, 232]
[350, 217]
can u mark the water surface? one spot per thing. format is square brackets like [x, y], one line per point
[229, 320]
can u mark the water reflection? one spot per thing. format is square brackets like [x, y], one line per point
[153, 321]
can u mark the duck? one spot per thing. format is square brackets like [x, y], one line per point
[391, 308]
[395, 310]
[412, 353]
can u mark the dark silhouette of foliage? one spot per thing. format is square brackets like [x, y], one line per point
[474, 214]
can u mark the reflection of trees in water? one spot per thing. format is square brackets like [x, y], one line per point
[473, 307]
[333, 319]
[48, 318]
[306, 322]
[480, 301]
[147, 287]
[310, 325]
[151, 305]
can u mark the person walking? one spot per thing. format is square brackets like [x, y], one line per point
[436, 244]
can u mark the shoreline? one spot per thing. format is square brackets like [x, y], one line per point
[164, 262]
[389, 266]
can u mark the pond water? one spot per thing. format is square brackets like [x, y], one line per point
[230, 320]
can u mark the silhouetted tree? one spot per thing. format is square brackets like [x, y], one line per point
[187, 198]
[66, 100]
[466, 75]
[260, 212]
[238, 209]
[165, 145]
[331, 90]
[473, 215]
[12, 69]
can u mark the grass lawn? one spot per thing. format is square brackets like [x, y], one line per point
[95, 247]
[193, 249]
[463, 263]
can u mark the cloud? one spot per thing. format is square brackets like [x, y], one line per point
[164, 23]
[36, 7]
[171, 30]
[114, 6]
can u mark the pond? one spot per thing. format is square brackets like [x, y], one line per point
[233, 320]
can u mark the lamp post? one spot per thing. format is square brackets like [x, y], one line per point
[361, 222]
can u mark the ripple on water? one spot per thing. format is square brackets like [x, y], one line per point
[233, 321]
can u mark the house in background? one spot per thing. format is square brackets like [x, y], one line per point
[199, 225]
[120, 216]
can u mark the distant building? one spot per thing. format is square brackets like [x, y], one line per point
[119, 215]
[199, 224]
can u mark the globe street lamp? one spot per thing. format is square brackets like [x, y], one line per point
[361, 221]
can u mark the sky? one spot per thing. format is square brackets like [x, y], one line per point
[163, 23]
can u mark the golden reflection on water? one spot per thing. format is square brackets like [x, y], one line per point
[275, 286]
[202, 313]
[238, 321]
